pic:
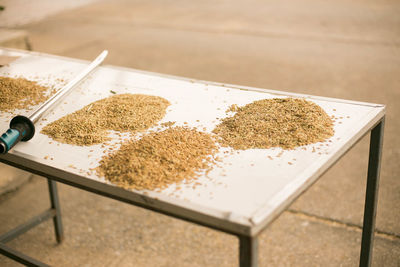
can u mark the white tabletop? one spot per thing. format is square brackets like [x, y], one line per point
[242, 195]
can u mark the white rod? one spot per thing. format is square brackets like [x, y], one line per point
[35, 116]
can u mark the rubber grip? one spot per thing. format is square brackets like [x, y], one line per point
[9, 139]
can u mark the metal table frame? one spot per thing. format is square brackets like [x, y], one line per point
[248, 244]
[53, 212]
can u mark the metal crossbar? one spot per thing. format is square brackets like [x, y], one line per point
[19, 257]
[53, 212]
[10, 235]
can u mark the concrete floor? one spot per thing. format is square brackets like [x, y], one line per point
[343, 49]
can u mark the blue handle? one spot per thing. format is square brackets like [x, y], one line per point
[8, 140]
[21, 129]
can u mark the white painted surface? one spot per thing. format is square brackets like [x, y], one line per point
[247, 189]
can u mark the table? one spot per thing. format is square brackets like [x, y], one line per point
[240, 197]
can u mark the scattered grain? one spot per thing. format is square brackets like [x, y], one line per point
[160, 159]
[91, 124]
[232, 108]
[20, 93]
[278, 122]
[168, 124]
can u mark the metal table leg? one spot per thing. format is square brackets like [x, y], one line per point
[55, 204]
[54, 212]
[371, 196]
[248, 251]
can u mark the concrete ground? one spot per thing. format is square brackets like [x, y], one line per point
[343, 49]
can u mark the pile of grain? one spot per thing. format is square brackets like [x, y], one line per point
[159, 159]
[124, 113]
[20, 93]
[278, 122]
